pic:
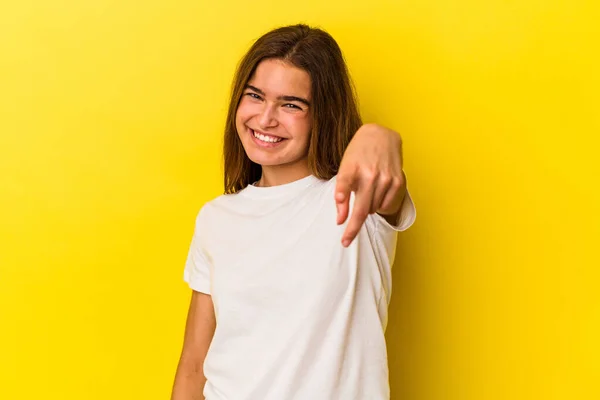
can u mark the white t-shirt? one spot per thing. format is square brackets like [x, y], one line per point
[299, 317]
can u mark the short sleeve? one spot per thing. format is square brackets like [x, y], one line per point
[406, 217]
[197, 268]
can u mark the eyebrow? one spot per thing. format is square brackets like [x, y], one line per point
[284, 98]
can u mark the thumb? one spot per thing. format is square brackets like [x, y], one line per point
[343, 188]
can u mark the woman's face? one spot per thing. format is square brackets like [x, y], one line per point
[273, 119]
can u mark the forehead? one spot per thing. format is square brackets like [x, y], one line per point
[278, 78]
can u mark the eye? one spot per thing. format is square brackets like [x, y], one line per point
[253, 95]
[292, 106]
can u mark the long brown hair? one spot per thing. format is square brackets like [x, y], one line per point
[334, 107]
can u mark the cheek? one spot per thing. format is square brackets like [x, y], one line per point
[299, 126]
[239, 115]
[244, 112]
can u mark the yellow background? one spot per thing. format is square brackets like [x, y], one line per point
[111, 115]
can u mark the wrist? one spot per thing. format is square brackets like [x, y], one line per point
[379, 131]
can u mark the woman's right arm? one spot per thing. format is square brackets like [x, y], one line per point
[199, 330]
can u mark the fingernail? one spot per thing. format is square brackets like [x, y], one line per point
[345, 243]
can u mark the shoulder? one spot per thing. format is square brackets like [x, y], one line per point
[222, 200]
[212, 216]
[217, 205]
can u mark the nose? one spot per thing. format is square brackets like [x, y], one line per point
[267, 118]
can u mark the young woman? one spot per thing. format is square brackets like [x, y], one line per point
[289, 296]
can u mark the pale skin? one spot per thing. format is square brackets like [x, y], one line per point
[275, 107]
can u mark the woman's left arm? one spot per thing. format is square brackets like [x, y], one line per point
[372, 168]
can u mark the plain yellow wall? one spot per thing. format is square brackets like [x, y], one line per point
[111, 115]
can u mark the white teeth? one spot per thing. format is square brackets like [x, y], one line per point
[268, 139]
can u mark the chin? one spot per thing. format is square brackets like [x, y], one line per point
[264, 161]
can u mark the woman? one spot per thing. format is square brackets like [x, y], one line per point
[289, 297]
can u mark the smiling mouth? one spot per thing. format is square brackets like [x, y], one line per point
[265, 138]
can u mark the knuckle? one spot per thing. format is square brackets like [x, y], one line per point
[385, 178]
[370, 175]
[397, 182]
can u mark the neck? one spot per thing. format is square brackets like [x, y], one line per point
[275, 175]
